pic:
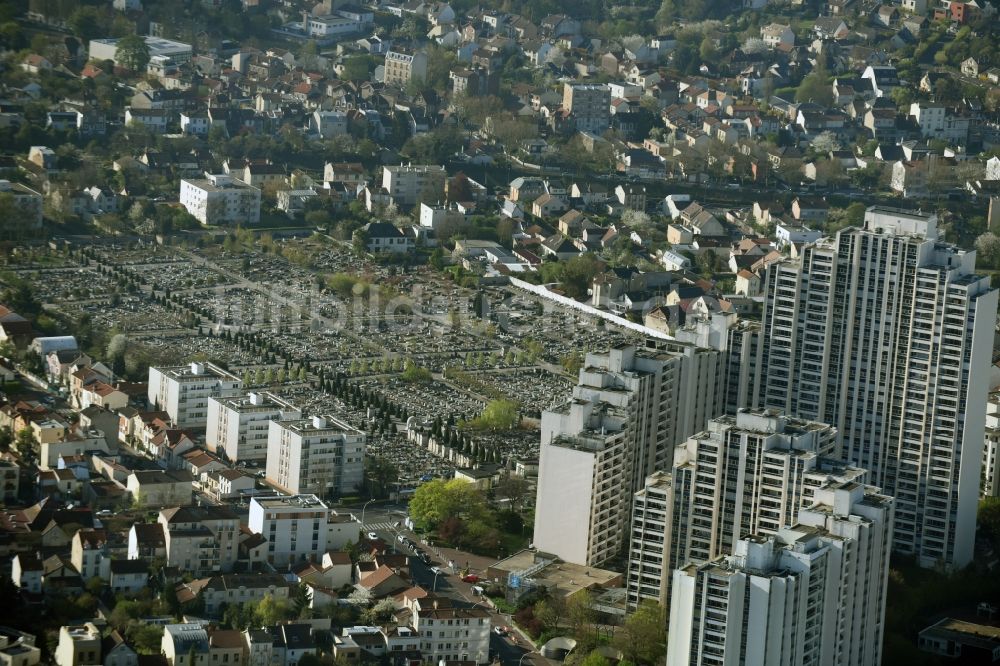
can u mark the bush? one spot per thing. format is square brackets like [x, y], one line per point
[525, 618]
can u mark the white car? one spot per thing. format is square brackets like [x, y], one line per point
[372, 535]
[437, 571]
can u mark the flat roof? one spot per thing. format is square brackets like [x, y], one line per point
[324, 424]
[290, 502]
[209, 186]
[968, 633]
[267, 402]
[182, 372]
[157, 45]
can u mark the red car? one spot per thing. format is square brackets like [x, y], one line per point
[470, 578]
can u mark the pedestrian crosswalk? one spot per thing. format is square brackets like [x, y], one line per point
[387, 526]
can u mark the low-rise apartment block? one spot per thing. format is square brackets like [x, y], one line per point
[406, 183]
[321, 455]
[200, 539]
[183, 391]
[402, 67]
[300, 527]
[221, 199]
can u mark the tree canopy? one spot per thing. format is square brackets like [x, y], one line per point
[643, 638]
[133, 53]
[439, 500]
[498, 415]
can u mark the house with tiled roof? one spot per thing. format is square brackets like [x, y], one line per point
[218, 591]
[157, 488]
[383, 581]
[200, 463]
[546, 205]
[227, 483]
[128, 576]
[291, 642]
[167, 445]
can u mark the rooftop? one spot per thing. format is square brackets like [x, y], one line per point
[968, 633]
[290, 502]
[319, 424]
[196, 371]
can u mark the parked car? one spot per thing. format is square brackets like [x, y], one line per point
[470, 578]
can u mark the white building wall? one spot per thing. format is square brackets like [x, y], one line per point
[563, 505]
[895, 353]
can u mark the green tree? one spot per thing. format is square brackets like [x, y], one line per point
[498, 415]
[358, 68]
[21, 299]
[815, 88]
[133, 53]
[85, 22]
[578, 273]
[380, 474]
[439, 500]
[643, 638]
[666, 14]
[145, 638]
[270, 611]
[512, 490]
[24, 444]
[572, 362]
[551, 611]
[595, 658]
[581, 614]
[414, 373]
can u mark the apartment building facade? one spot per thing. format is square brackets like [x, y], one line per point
[221, 199]
[886, 332]
[200, 539]
[401, 67]
[238, 426]
[585, 464]
[321, 455]
[990, 486]
[812, 594]
[452, 634]
[628, 410]
[183, 391]
[406, 183]
[300, 527]
[79, 645]
[748, 474]
[589, 105]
